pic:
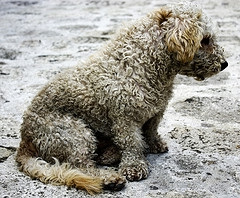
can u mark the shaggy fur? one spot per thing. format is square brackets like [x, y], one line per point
[107, 110]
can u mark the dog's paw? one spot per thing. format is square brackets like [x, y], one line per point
[158, 146]
[114, 182]
[136, 171]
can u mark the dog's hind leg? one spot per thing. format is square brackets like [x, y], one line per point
[72, 143]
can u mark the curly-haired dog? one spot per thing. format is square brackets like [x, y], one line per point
[107, 110]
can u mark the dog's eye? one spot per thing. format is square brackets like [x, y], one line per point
[205, 41]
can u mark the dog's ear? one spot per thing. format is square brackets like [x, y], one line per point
[161, 15]
[183, 36]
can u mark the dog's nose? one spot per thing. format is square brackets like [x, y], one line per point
[224, 65]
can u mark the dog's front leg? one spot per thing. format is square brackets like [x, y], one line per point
[153, 139]
[129, 139]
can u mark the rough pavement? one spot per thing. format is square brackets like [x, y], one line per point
[39, 38]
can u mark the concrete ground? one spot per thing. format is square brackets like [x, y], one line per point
[39, 38]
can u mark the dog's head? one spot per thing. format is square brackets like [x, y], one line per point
[207, 61]
[188, 36]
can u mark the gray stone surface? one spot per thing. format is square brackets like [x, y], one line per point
[39, 38]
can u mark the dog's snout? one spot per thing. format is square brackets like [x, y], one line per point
[224, 65]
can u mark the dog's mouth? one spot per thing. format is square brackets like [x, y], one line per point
[200, 78]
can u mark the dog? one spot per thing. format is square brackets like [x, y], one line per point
[106, 110]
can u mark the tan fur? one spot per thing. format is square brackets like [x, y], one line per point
[55, 174]
[184, 36]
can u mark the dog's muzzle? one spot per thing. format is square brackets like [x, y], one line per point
[224, 65]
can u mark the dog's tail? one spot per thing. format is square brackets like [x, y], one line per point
[57, 174]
